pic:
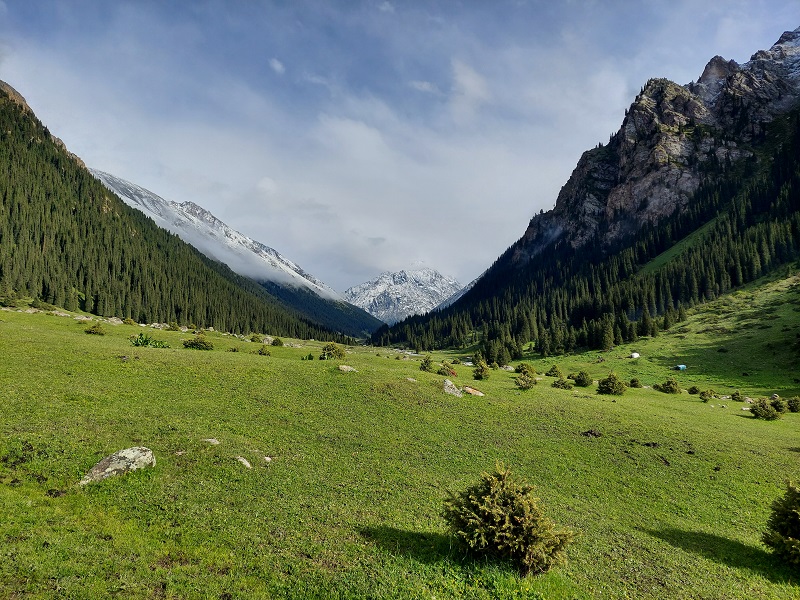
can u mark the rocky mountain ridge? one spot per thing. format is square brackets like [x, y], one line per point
[391, 297]
[671, 138]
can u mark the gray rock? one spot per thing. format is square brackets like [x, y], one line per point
[123, 461]
[347, 369]
[450, 388]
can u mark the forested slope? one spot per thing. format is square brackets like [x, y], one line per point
[64, 238]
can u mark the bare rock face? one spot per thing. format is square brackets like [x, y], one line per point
[671, 139]
[119, 463]
[450, 388]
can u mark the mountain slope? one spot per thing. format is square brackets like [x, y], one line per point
[722, 153]
[66, 239]
[282, 278]
[392, 297]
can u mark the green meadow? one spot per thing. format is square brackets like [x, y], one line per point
[669, 494]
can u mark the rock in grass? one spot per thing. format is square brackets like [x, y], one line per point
[123, 461]
[244, 461]
[347, 369]
[450, 388]
[472, 391]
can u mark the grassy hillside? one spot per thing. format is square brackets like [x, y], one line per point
[670, 500]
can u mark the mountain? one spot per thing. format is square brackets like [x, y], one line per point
[198, 227]
[67, 240]
[283, 278]
[697, 193]
[391, 297]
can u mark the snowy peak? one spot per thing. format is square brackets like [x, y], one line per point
[198, 227]
[392, 297]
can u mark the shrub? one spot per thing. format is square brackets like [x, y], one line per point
[525, 368]
[555, 372]
[233, 349]
[309, 356]
[635, 383]
[456, 361]
[562, 384]
[426, 364]
[737, 396]
[783, 526]
[145, 340]
[263, 351]
[793, 404]
[494, 366]
[481, 370]
[670, 386]
[277, 342]
[198, 342]
[96, 329]
[173, 326]
[331, 351]
[447, 370]
[129, 321]
[763, 409]
[582, 379]
[707, 395]
[694, 390]
[257, 337]
[525, 381]
[779, 404]
[501, 518]
[612, 385]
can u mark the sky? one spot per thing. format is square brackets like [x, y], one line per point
[361, 136]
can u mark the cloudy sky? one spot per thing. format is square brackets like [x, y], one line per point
[360, 136]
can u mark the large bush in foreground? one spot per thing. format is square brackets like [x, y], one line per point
[783, 526]
[611, 385]
[332, 351]
[501, 518]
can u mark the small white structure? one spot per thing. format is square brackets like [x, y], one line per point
[634, 355]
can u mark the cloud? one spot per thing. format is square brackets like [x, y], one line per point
[277, 66]
[470, 91]
[386, 7]
[424, 86]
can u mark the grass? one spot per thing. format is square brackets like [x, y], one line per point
[670, 500]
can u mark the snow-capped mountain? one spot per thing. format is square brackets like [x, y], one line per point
[392, 297]
[198, 227]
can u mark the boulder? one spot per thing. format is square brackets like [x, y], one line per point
[347, 369]
[123, 461]
[472, 391]
[244, 461]
[450, 388]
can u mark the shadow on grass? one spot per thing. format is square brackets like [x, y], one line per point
[728, 552]
[425, 547]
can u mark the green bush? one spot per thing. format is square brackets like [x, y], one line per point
[612, 385]
[582, 379]
[481, 370]
[694, 390]
[129, 321]
[456, 361]
[173, 326]
[198, 342]
[763, 409]
[144, 339]
[263, 351]
[562, 384]
[525, 368]
[309, 356]
[257, 337]
[525, 380]
[96, 329]
[793, 404]
[501, 518]
[783, 526]
[635, 383]
[555, 372]
[447, 370]
[670, 386]
[707, 395]
[737, 396]
[331, 351]
[779, 404]
[426, 364]
[277, 342]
